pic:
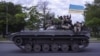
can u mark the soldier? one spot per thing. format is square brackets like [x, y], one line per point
[77, 27]
[66, 23]
[84, 26]
[50, 23]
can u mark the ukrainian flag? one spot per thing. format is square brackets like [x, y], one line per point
[77, 9]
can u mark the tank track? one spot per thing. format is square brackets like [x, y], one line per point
[29, 44]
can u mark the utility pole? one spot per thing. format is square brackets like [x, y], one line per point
[3, 1]
[6, 19]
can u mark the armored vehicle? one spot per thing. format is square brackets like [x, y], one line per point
[53, 40]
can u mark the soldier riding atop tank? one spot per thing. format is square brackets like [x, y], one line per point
[67, 22]
[84, 27]
[77, 27]
[58, 23]
[50, 24]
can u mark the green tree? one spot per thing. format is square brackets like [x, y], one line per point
[11, 15]
[92, 15]
[33, 18]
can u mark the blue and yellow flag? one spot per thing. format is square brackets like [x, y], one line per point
[78, 9]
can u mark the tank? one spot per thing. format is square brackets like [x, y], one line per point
[51, 40]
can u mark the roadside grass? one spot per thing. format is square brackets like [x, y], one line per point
[94, 39]
[2, 39]
[98, 39]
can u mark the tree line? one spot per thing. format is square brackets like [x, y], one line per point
[17, 17]
[11, 15]
[92, 17]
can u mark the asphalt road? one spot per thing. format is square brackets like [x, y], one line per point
[11, 50]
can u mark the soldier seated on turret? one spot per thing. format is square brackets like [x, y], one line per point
[84, 26]
[66, 23]
[77, 27]
[50, 24]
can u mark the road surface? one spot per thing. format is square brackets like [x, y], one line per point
[11, 50]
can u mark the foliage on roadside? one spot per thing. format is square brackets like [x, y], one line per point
[92, 17]
[11, 15]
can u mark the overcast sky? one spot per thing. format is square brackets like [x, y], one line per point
[59, 7]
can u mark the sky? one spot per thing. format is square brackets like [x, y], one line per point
[59, 7]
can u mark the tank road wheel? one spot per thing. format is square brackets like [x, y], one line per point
[75, 47]
[85, 43]
[18, 40]
[54, 47]
[37, 48]
[64, 47]
[45, 47]
[28, 47]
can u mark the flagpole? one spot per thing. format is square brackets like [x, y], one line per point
[69, 5]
